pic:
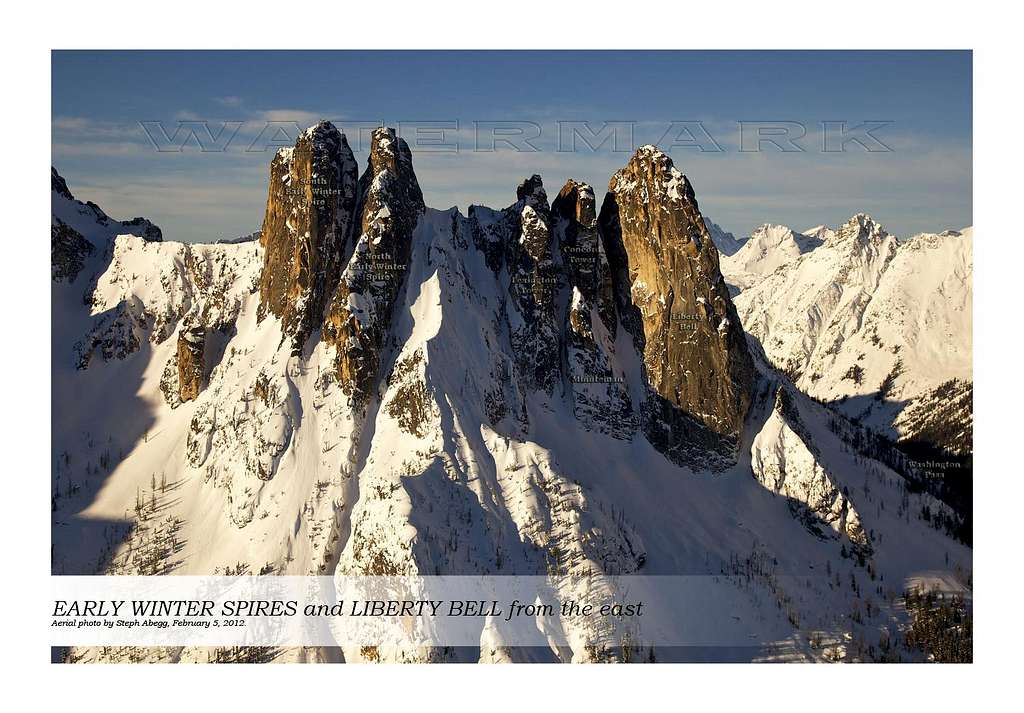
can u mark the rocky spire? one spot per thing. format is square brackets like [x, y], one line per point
[583, 256]
[600, 395]
[310, 207]
[359, 316]
[676, 303]
[534, 282]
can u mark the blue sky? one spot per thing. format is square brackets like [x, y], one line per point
[918, 178]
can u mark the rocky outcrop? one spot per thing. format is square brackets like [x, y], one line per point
[191, 369]
[359, 316]
[582, 250]
[311, 203]
[534, 283]
[785, 461]
[860, 228]
[68, 251]
[58, 185]
[599, 390]
[941, 419]
[676, 303]
[520, 241]
[149, 287]
[145, 229]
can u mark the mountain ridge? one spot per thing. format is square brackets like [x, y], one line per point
[508, 421]
[865, 320]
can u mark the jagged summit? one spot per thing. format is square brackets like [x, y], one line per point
[310, 211]
[320, 132]
[784, 237]
[651, 152]
[582, 250]
[768, 247]
[359, 317]
[667, 274]
[535, 285]
[532, 190]
[861, 228]
[58, 185]
[74, 213]
[576, 202]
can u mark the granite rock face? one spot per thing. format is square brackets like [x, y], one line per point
[311, 205]
[191, 364]
[676, 304]
[359, 316]
[68, 251]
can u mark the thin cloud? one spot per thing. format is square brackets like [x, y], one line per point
[299, 116]
[738, 190]
[98, 149]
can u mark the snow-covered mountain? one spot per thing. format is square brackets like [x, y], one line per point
[766, 250]
[878, 327]
[376, 387]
